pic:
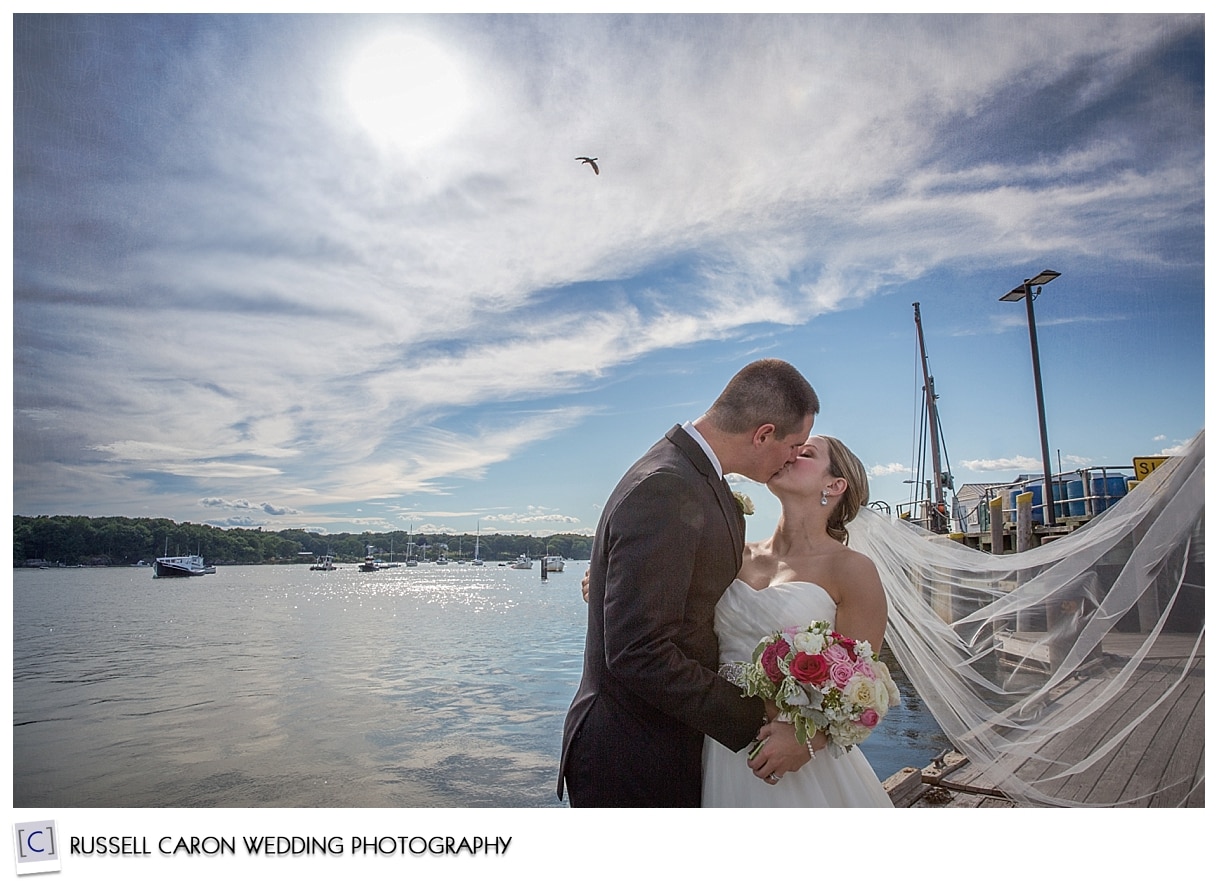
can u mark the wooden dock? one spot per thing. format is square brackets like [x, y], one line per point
[1160, 763]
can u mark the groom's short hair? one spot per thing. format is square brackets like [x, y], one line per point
[766, 391]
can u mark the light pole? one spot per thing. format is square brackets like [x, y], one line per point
[1024, 293]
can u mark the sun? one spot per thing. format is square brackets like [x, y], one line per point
[407, 91]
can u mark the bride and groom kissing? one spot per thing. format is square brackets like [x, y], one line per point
[674, 591]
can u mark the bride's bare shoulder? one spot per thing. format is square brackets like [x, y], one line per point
[855, 571]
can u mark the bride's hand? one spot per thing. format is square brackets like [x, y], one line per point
[583, 584]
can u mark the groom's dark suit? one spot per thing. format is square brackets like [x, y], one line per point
[669, 542]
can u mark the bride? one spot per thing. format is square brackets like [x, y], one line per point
[804, 572]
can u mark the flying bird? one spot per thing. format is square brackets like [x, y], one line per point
[589, 160]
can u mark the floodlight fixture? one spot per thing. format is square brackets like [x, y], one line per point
[1024, 293]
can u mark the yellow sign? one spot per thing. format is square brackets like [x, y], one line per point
[1144, 465]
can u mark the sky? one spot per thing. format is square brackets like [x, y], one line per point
[345, 273]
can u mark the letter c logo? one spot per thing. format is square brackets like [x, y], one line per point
[29, 842]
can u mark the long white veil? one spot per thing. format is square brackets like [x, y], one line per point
[1055, 667]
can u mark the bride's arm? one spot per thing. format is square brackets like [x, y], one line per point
[862, 610]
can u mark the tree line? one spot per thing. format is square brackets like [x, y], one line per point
[75, 540]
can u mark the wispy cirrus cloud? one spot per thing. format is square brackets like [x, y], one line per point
[225, 287]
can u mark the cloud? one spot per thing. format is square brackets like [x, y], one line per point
[225, 288]
[1011, 463]
[238, 521]
[893, 468]
[246, 505]
[532, 515]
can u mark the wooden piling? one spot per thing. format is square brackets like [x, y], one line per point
[1023, 521]
[996, 525]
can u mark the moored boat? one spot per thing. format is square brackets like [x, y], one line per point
[477, 561]
[411, 560]
[369, 565]
[524, 562]
[184, 565]
[553, 563]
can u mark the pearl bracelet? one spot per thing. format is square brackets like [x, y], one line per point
[811, 752]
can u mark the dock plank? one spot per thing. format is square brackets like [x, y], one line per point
[1105, 779]
[1150, 770]
[1160, 762]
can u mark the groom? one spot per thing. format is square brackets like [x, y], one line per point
[669, 542]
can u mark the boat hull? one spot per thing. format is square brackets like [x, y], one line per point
[180, 567]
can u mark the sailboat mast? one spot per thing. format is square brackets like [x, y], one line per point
[931, 413]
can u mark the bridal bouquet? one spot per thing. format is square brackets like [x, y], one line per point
[822, 680]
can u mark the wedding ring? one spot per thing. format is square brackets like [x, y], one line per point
[774, 778]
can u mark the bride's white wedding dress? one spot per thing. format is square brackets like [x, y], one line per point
[742, 617]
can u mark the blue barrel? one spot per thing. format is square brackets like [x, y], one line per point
[1107, 491]
[1074, 493]
[1060, 506]
[1038, 501]
[1061, 493]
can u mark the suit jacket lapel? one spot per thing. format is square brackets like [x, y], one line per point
[735, 517]
[727, 502]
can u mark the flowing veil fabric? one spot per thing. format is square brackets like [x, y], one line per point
[1048, 667]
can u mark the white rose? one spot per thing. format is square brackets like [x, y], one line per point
[862, 690]
[885, 676]
[809, 641]
[883, 697]
[848, 734]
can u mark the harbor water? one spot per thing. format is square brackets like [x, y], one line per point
[279, 686]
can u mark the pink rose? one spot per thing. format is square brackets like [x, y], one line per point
[840, 673]
[869, 718]
[836, 653]
[769, 659]
[807, 668]
[862, 666]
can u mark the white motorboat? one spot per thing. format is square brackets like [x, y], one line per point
[184, 565]
[553, 563]
[370, 563]
[524, 562]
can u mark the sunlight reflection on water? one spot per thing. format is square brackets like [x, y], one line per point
[281, 686]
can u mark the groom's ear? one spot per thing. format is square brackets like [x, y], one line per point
[763, 433]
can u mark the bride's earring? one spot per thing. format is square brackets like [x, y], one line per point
[824, 497]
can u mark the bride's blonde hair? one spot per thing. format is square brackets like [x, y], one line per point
[844, 464]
